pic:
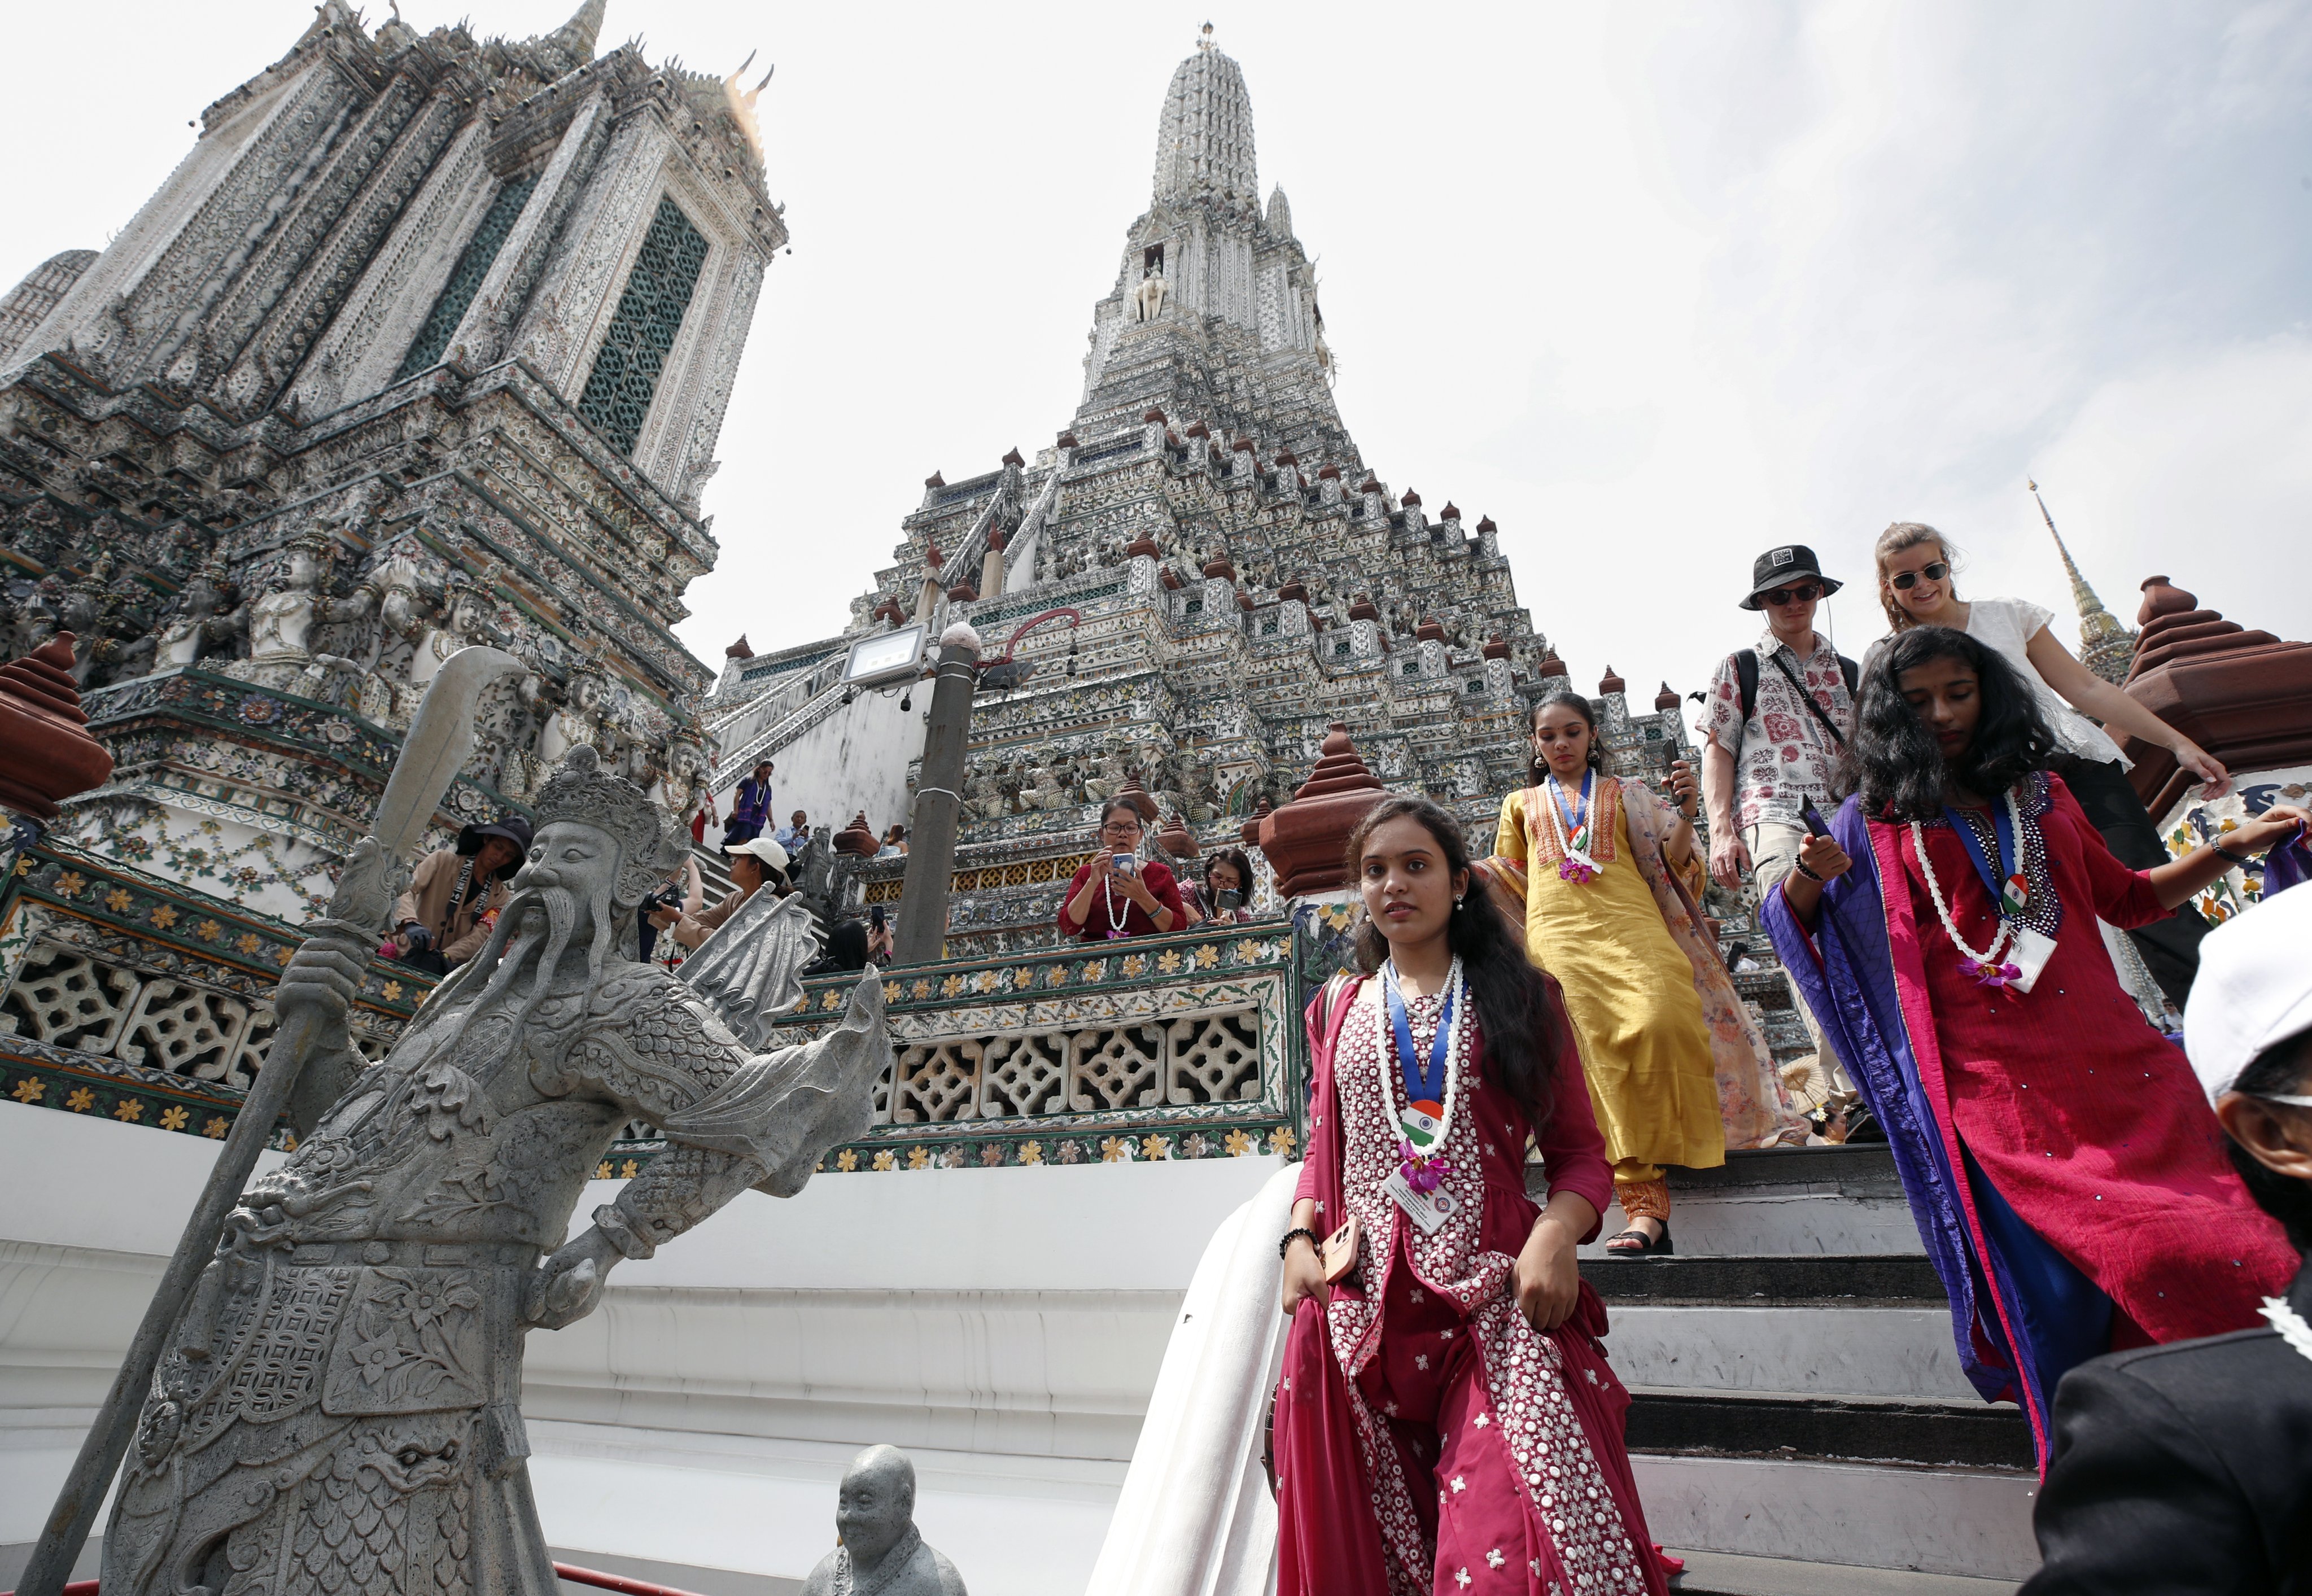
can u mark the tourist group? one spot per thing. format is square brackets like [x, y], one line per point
[2100, 1111]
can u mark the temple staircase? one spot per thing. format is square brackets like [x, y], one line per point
[1799, 1421]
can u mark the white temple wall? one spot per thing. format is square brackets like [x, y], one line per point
[1005, 1325]
[854, 760]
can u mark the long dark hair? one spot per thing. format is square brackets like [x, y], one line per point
[1517, 1004]
[1563, 699]
[1894, 761]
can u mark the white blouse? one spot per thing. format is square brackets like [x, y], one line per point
[2008, 625]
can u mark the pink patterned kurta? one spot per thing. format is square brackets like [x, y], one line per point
[1434, 1374]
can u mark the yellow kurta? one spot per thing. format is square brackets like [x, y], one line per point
[1630, 991]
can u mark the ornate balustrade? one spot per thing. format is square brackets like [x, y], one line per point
[1186, 1046]
[123, 998]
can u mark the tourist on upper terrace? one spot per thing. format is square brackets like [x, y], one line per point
[895, 843]
[1447, 1420]
[2188, 1468]
[1224, 891]
[754, 866]
[1916, 565]
[1779, 715]
[878, 935]
[455, 894]
[1603, 875]
[1116, 892]
[750, 808]
[794, 834]
[2060, 1161]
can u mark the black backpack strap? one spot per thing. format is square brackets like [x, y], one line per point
[1807, 698]
[1746, 677]
[1852, 672]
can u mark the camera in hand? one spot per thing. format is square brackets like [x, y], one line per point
[1229, 900]
[665, 898]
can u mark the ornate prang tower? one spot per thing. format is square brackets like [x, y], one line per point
[1186, 588]
[2106, 647]
[425, 342]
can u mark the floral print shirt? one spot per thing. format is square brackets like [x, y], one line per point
[1782, 756]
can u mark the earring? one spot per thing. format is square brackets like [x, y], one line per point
[1457, 905]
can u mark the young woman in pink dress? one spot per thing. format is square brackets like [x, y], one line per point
[1447, 1421]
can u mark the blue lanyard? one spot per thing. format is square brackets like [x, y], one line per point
[2004, 832]
[1417, 1088]
[1573, 817]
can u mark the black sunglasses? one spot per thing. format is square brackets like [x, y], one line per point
[1805, 592]
[1907, 580]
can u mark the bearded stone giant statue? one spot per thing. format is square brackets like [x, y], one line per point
[339, 1408]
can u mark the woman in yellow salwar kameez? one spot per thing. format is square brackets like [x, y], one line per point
[1604, 875]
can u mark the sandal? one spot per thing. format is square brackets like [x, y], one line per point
[1646, 1246]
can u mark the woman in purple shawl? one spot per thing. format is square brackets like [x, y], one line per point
[2067, 1178]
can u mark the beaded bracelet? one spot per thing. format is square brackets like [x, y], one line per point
[2221, 852]
[1285, 1245]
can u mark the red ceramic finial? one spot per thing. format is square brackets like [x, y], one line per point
[51, 755]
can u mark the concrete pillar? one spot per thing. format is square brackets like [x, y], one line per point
[938, 802]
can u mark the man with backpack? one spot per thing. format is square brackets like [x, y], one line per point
[1778, 718]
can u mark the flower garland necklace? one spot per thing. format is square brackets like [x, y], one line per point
[1578, 866]
[1426, 1122]
[1987, 968]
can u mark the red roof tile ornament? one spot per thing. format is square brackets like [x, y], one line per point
[1450, 512]
[1295, 589]
[1361, 608]
[1667, 699]
[934, 482]
[738, 650]
[1011, 457]
[1155, 415]
[1551, 665]
[51, 757]
[2245, 696]
[1304, 840]
[1410, 500]
[1250, 830]
[1484, 525]
[1217, 566]
[858, 838]
[1328, 473]
[1136, 795]
[1496, 648]
[1610, 684]
[962, 592]
[1430, 630]
[1068, 440]
[1197, 429]
[1144, 545]
[1176, 839]
[1371, 483]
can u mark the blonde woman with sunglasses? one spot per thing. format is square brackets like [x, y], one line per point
[1916, 565]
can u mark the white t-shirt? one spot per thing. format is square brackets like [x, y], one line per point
[2008, 625]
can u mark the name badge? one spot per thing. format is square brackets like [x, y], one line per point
[2028, 950]
[1427, 1209]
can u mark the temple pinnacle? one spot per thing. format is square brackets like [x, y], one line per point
[2105, 647]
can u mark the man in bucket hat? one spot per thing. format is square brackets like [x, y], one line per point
[455, 894]
[1778, 717]
[2187, 1468]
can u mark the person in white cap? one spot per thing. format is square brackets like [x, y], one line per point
[755, 863]
[2187, 1468]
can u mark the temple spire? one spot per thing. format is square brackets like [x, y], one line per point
[2105, 647]
[1204, 139]
[577, 36]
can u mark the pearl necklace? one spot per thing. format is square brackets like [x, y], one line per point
[1116, 922]
[1989, 958]
[1457, 1045]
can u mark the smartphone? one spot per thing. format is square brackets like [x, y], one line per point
[875, 916]
[1124, 864]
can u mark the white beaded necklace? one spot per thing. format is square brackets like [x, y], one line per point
[1942, 907]
[1107, 892]
[1457, 1044]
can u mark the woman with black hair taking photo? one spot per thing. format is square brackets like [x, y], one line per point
[2065, 1173]
[1447, 1415]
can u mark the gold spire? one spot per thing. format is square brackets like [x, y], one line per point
[2105, 647]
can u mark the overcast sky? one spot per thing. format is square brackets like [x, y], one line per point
[1654, 287]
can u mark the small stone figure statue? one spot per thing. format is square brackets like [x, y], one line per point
[340, 1409]
[883, 1553]
[1148, 298]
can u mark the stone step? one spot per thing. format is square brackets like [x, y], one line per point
[1854, 1281]
[1719, 1574]
[1851, 1429]
[1810, 1348]
[1785, 1201]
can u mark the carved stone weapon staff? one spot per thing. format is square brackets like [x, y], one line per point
[441, 738]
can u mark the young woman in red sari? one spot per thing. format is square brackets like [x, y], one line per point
[1447, 1422]
[2069, 1181]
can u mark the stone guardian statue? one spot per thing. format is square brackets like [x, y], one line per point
[339, 1409]
[1148, 296]
[883, 1553]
